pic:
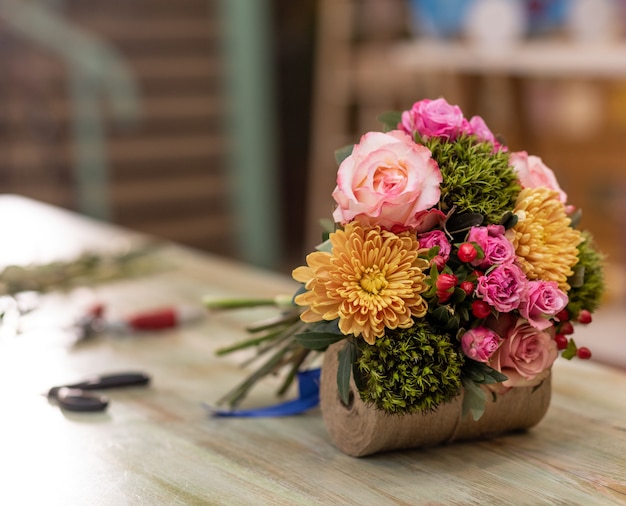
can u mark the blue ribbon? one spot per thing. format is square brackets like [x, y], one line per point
[308, 398]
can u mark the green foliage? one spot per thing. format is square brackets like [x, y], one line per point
[342, 153]
[390, 120]
[474, 375]
[588, 294]
[474, 399]
[320, 335]
[347, 358]
[476, 179]
[570, 352]
[481, 373]
[410, 370]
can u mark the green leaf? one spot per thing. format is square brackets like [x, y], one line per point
[458, 296]
[390, 120]
[576, 216]
[578, 278]
[320, 335]
[570, 352]
[475, 370]
[347, 357]
[442, 313]
[461, 222]
[473, 400]
[325, 247]
[342, 153]
[509, 220]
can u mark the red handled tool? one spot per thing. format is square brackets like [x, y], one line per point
[95, 322]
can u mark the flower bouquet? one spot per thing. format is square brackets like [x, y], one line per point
[445, 289]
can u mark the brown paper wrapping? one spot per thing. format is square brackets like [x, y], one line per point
[359, 430]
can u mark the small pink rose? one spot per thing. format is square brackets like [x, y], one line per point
[497, 248]
[533, 173]
[525, 356]
[502, 287]
[479, 128]
[388, 180]
[480, 343]
[541, 301]
[436, 238]
[434, 118]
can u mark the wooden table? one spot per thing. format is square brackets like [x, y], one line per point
[157, 445]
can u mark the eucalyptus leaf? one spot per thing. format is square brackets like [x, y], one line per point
[481, 373]
[442, 313]
[509, 220]
[342, 153]
[576, 216]
[473, 400]
[578, 278]
[347, 357]
[325, 247]
[390, 120]
[462, 222]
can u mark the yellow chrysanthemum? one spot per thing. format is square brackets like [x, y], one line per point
[371, 281]
[545, 243]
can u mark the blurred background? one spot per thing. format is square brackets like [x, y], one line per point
[213, 122]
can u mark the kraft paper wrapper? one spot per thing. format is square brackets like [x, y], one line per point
[359, 430]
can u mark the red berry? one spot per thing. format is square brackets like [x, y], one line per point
[562, 315]
[467, 287]
[584, 316]
[561, 341]
[480, 309]
[467, 252]
[583, 353]
[439, 261]
[566, 328]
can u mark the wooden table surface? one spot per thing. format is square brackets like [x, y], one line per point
[157, 445]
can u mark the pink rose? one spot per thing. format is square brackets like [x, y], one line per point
[502, 287]
[480, 343]
[479, 128]
[436, 238]
[525, 356]
[533, 173]
[497, 248]
[542, 300]
[434, 118]
[388, 180]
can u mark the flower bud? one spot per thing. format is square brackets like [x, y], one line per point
[446, 281]
[480, 343]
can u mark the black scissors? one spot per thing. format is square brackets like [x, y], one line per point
[80, 396]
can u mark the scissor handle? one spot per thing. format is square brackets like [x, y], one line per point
[74, 399]
[106, 381]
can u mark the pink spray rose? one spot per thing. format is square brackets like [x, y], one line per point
[388, 180]
[434, 118]
[533, 173]
[525, 356]
[502, 287]
[480, 343]
[436, 238]
[479, 128]
[498, 249]
[542, 300]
